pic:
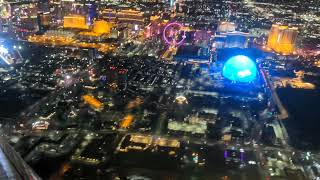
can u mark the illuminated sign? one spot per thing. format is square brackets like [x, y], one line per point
[170, 33]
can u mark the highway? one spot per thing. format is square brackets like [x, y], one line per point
[283, 112]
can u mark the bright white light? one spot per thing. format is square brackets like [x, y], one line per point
[68, 77]
[171, 3]
[15, 47]
[244, 73]
[4, 59]
[252, 162]
[20, 47]
[3, 50]
[136, 27]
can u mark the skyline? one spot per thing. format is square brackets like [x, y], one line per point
[207, 90]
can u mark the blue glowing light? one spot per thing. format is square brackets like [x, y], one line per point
[240, 69]
[171, 3]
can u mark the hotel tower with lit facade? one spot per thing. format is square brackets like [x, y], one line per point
[282, 39]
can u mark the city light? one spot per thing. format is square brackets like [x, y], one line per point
[282, 39]
[149, 89]
[3, 55]
[169, 39]
[240, 69]
[171, 3]
[136, 27]
[3, 50]
[4, 59]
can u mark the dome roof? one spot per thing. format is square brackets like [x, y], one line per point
[240, 68]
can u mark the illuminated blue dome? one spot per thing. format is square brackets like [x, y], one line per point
[240, 68]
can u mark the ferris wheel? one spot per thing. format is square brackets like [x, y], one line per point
[174, 34]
